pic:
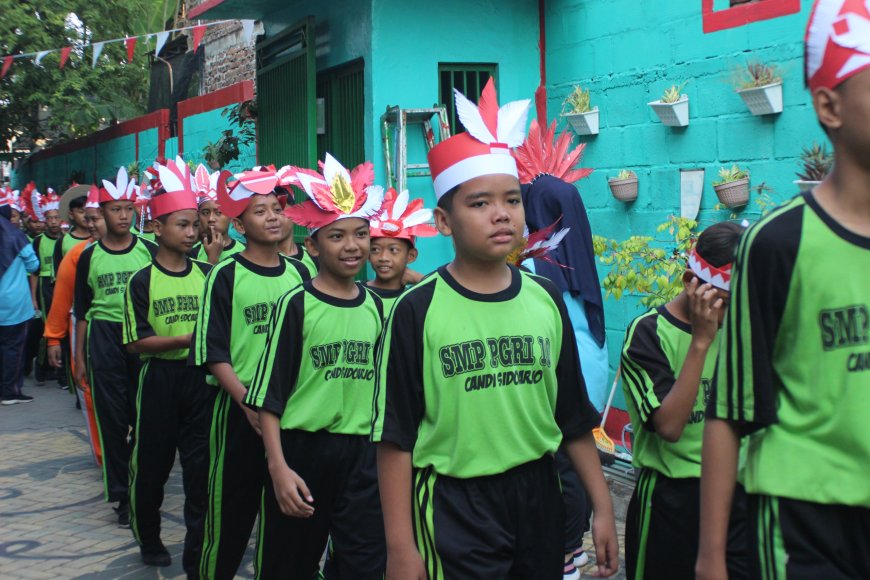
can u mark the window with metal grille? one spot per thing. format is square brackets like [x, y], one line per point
[468, 78]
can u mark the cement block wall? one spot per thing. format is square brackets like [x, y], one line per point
[627, 52]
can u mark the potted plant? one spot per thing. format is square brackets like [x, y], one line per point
[817, 164]
[582, 117]
[673, 107]
[226, 149]
[732, 189]
[624, 185]
[760, 86]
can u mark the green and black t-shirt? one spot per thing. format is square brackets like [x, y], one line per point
[102, 275]
[794, 362]
[234, 313]
[234, 247]
[67, 242]
[43, 247]
[656, 345]
[476, 384]
[307, 259]
[318, 369]
[164, 303]
[388, 297]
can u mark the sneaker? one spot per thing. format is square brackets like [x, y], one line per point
[123, 511]
[581, 558]
[570, 572]
[156, 555]
[15, 399]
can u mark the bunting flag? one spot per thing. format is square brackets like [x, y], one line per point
[64, 55]
[161, 40]
[98, 50]
[130, 43]
[198, 33]
[248, 29]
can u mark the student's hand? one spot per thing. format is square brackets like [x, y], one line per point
[405, 564]
[704, 310]
[53, 354]
[253, 418]
[81, 370]
[411, 277]
[214, 245]
[292, 494]
[606, 545]
[710, 568]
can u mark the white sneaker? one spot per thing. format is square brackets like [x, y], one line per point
[570, 572]
[580, 558]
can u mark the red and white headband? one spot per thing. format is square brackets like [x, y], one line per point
[485, 148]
[402, 219]
[719, 277]
[179, 189]
[837, 42]
[124, 188]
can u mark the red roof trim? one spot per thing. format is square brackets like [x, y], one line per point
[237, 93]
[196, 11]
[745, 13]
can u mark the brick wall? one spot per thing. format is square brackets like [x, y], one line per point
[228, 58]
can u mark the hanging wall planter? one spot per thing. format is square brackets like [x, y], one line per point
[805, 186]
[766, 100]
[816, 164]
[584, 123]
[673, 107]
[624, 186]
[580, 114]
[733, 187]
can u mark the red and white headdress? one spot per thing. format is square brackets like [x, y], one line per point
[719, 277]
[543, 154]
[485, 148]
[402, 219]
[233, 198]
[93, 201]
[539, 245]
[837, 42]
[8, 197]
[124, 188]
[334, 195]
[179, 187]
[206, 184]
[42, 203]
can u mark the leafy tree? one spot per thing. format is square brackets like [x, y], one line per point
[40, 101]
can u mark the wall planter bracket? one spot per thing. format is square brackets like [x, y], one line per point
[766, 100]
[584, 123]
[673, 114]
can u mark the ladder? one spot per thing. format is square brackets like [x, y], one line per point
[394, 134]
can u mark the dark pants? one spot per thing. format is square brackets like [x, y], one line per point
[114, 378]
[237, 467]
[173, 410]
[341, 473]
[12, 339]
[577, 508]
[509, 525]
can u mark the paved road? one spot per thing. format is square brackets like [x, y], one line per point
[53, 520]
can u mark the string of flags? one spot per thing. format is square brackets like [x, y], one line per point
[197, 33]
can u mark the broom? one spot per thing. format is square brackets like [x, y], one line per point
[602, 441]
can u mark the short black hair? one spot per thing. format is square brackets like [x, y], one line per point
[78, 202]
[445, 202]
[407, 241]
[718, 243]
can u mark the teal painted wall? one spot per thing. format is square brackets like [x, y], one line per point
[207, 127]
[627, 52]
[408, 43]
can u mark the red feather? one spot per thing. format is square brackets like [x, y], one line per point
[488, 107]
[541, 104]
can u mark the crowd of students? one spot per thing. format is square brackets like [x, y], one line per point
[439, 426]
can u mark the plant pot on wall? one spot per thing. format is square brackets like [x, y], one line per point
[804, 186]
[765, 100]
[674, 114]
[623, 189]
[584, 123]
[733, 193]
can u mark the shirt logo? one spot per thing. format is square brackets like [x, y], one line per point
[258, 316]
[506, 352]
[347, 352]
[845, 327]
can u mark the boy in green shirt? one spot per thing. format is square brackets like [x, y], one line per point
[394, 234]
[479, 383]
[668, 362]
[794, 362]
[216, 243]
[313, 389]
[174, 403]
[229, 339]
[113, 374]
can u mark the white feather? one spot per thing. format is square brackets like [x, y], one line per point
[556, 238]
[332, 168]
[512, 122]
[110, 189]
[121, 182]
[373, 203]
[400, 205]
[421, 216]
[470, 117]
[131, 188]
[169, 179]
